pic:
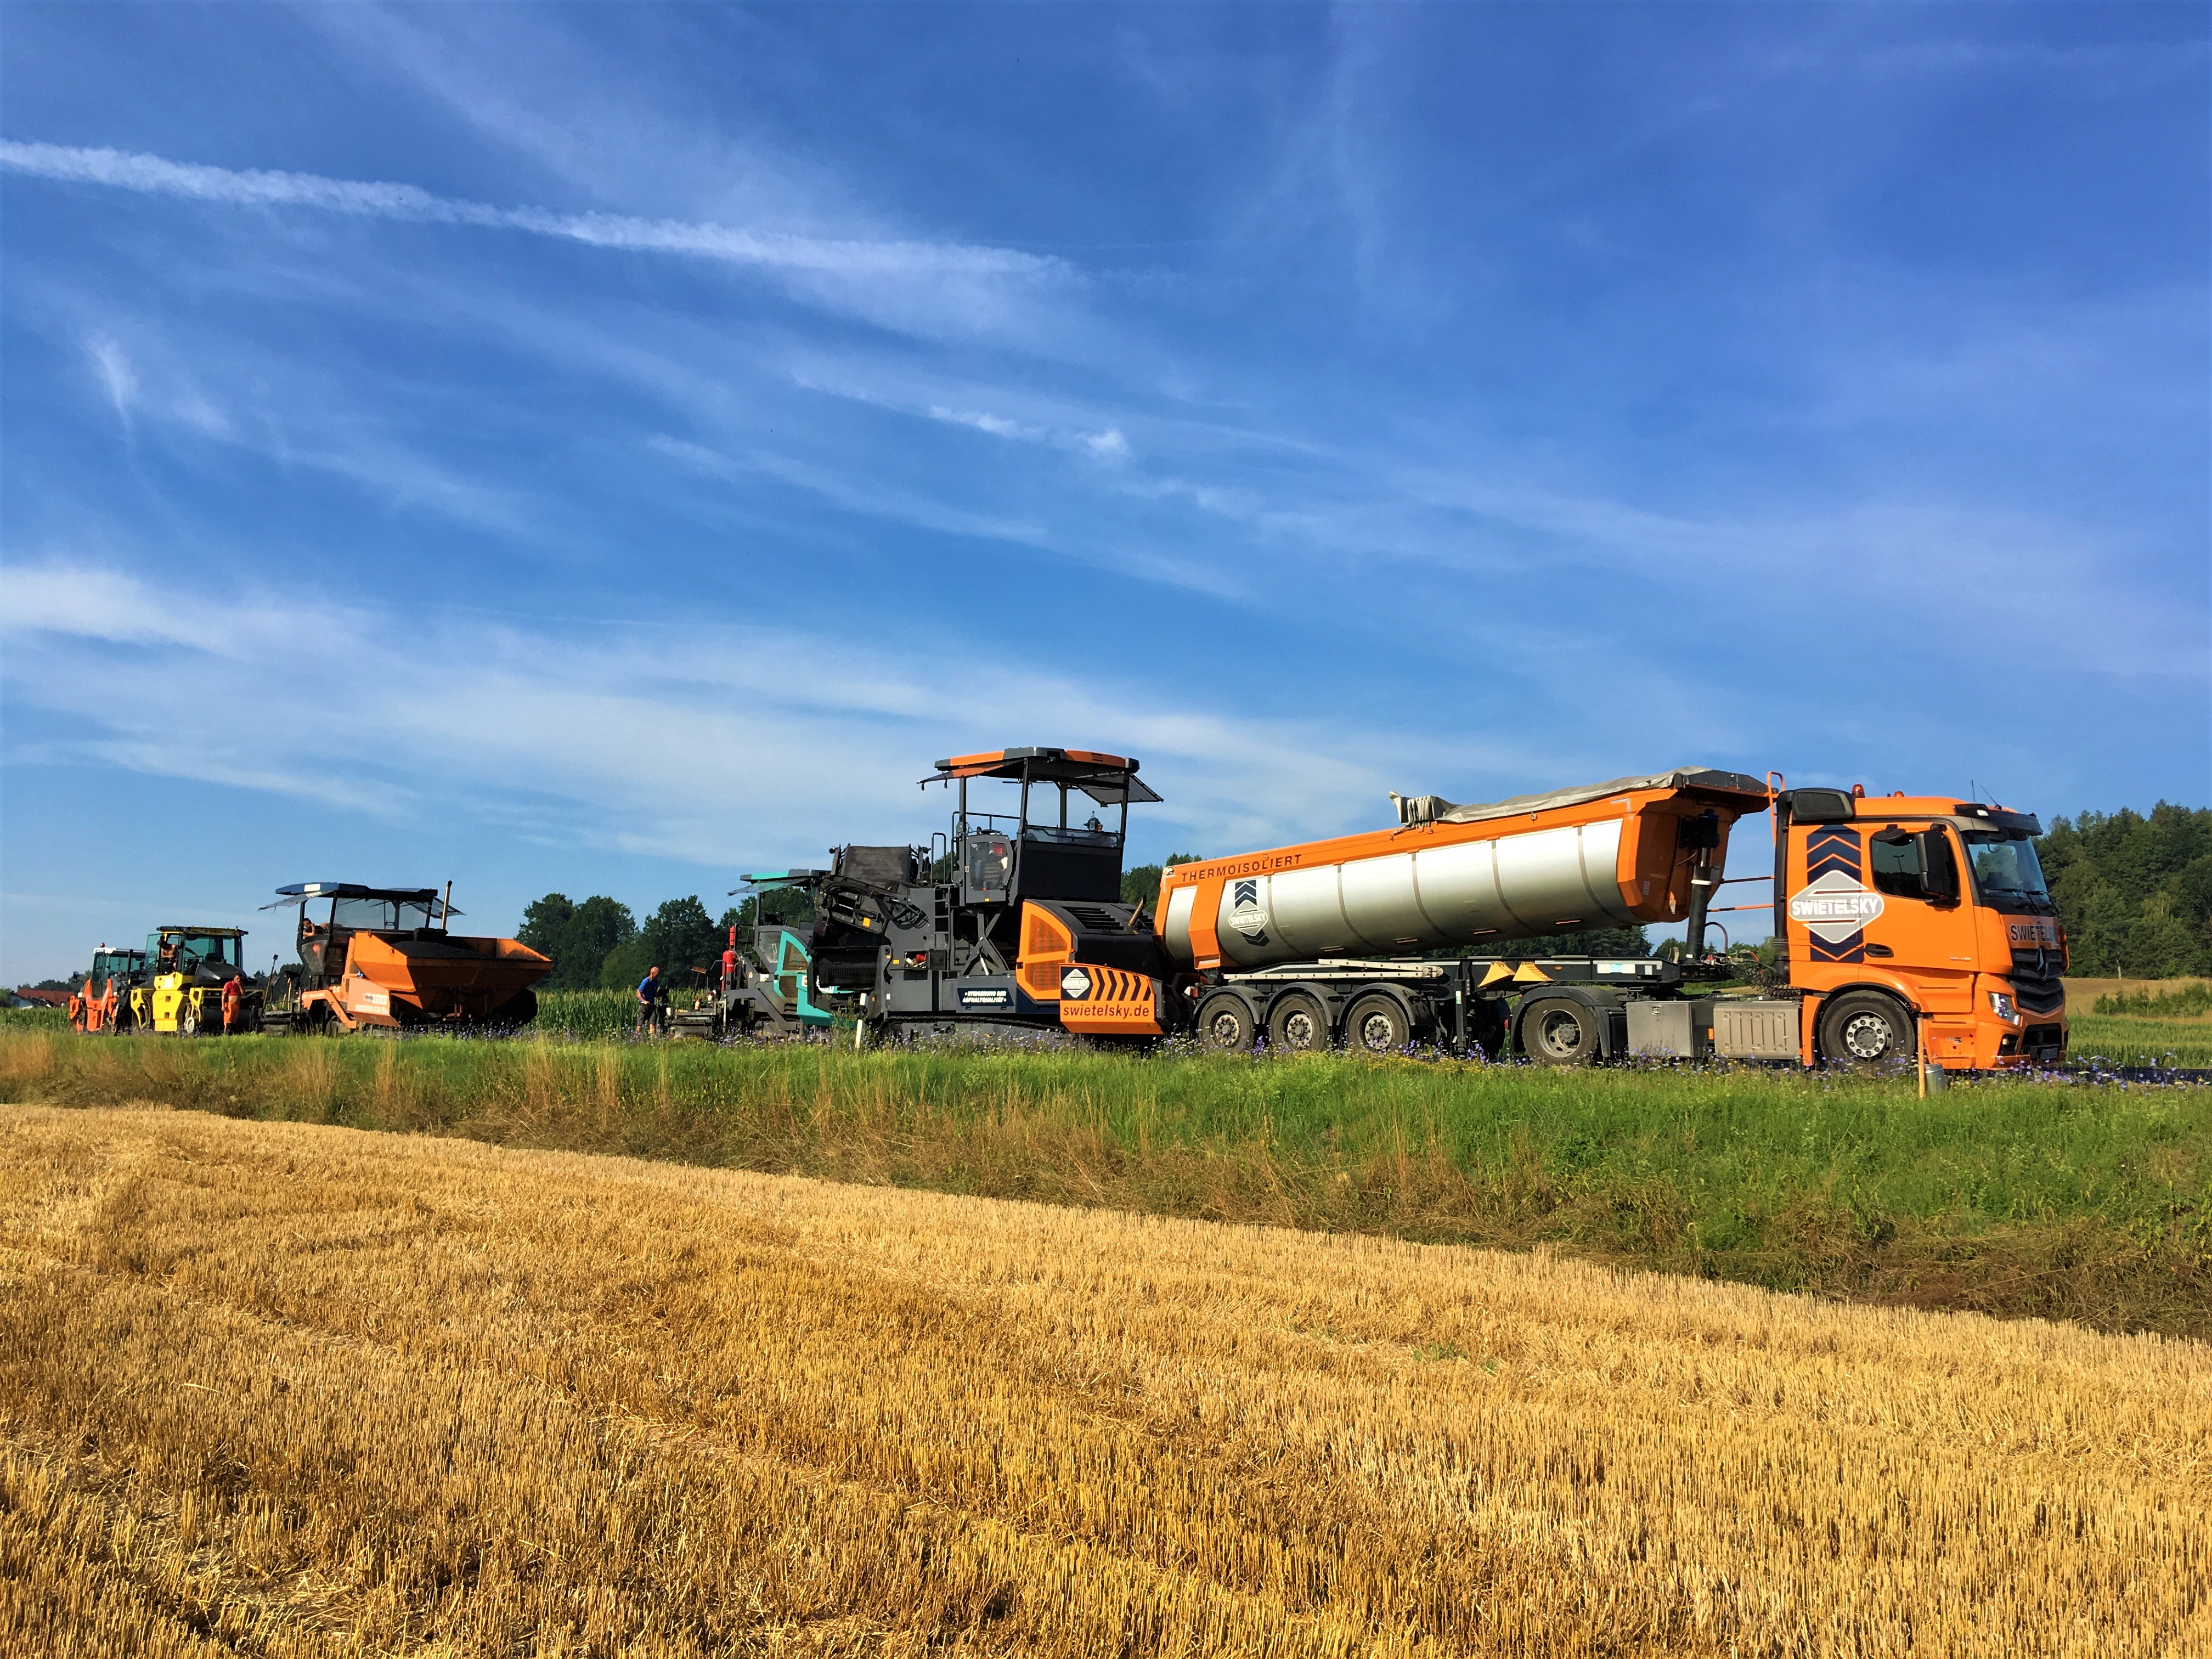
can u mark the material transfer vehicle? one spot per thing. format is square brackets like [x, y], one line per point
[385, 958]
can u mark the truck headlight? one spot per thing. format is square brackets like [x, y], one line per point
[2001, 1006]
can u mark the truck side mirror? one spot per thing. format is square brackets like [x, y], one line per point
[1939, 870]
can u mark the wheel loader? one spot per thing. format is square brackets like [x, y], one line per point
[386, 958]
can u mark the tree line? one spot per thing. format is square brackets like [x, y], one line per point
[2135, 893]
[601, 942]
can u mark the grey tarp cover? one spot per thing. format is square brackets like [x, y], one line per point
[1435, 809]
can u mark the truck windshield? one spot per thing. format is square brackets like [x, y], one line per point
[2005, 866]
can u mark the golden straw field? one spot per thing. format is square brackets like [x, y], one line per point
[280, 1388]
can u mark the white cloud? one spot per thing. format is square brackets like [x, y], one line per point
[115, 373]
[902, 282]
[714, 745]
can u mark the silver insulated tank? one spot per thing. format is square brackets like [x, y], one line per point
[1507, 887]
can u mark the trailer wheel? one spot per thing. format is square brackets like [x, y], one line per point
[1865, 1028]
[1297, 1024]
[1378, 1025]
[1225, 1024]
[1559, 1032]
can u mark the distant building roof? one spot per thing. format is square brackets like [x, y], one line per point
[44, 998]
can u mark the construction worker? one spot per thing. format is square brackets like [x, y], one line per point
[232, 995]
[650, 991]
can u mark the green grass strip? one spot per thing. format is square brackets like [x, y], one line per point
[2091, 1202]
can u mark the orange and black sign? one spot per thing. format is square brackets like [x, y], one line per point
[1109, 1002]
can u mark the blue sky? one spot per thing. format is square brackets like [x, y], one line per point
[608, 448]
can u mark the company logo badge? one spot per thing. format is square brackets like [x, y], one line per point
[1075, 984]
[1834, 906]
[1246, 914]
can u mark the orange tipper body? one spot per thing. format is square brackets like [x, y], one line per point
[1611, 856]
[1929, 900]
[404, 982]
[386, 957]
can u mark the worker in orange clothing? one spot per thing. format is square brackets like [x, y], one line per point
[232, 995]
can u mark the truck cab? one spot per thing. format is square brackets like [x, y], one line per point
[1895, 908]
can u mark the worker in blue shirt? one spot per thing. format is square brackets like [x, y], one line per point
[650, 994]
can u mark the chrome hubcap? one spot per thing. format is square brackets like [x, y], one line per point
[1867, 1037]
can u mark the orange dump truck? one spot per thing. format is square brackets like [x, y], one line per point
[1907, 925]
[386, 958]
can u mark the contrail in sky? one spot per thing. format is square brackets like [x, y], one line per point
[253, 187]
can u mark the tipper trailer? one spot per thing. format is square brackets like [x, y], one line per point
[1905, 925]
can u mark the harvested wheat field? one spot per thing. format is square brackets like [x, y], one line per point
[288, 1389]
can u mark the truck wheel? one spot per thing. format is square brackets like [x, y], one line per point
[1559, 1032]
[1378, 1025]
[1225, 1025]
[1865, 1028]
[1297, 1024]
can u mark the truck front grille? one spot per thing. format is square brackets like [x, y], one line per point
[2035, 983]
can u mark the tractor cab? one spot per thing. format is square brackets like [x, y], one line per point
[332, 912]
[123, 968]
[1053, 843]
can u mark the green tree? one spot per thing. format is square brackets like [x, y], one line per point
[596, 926]
[2134, 891]
[626, 964]
[1142, 885]
[677, 937]
[542, 922]
[2161, 944]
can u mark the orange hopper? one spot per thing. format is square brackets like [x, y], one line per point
[386, 957]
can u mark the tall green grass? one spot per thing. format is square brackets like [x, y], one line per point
[2188, 1002]
[2127, 1042]
[592, 1016]
[2093, 1202]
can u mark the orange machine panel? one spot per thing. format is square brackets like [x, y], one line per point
[1108, 1001]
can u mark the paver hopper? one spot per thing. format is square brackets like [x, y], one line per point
[384, 957]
